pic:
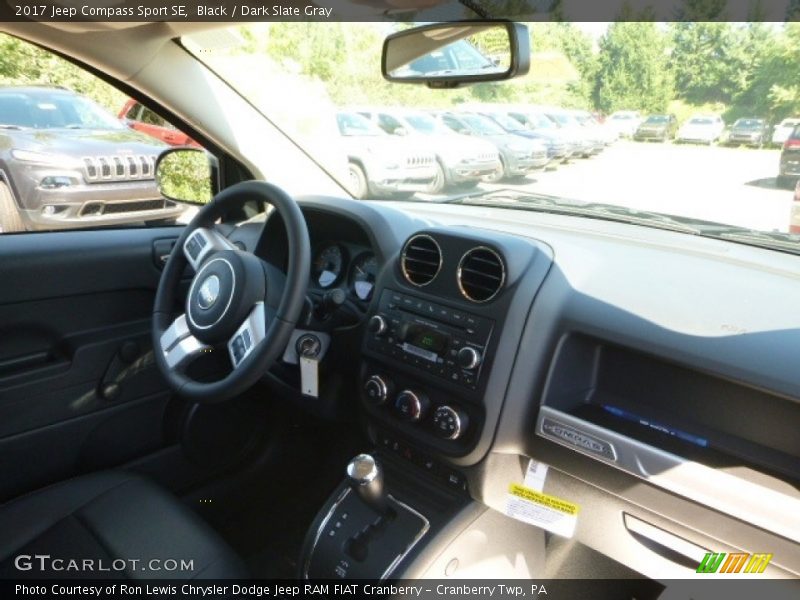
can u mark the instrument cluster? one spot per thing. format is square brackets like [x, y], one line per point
[350, 267]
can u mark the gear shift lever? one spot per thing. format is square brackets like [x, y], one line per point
[365, 476]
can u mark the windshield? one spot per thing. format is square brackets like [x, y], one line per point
[354, 124]
[426, 124]
[749, 124]
[506, 122]
[481, 124]
[563, 119]
[590, 86]
[42, 109]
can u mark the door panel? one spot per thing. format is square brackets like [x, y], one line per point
[78, 386]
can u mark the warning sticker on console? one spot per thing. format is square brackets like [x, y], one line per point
[548, 512]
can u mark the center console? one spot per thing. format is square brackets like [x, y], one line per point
[435, 359]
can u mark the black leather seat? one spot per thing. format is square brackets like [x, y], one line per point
[119, 521]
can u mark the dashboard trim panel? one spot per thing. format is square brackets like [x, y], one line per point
[741, 499]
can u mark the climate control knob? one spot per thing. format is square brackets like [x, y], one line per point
[468, 357]
[449, 423]
[377, 325]
[377, 389]
[411, 406]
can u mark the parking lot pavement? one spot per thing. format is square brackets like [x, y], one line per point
[728, 185]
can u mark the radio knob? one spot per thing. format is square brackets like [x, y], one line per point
[411, 406]
[377, 325]
[449, 423]
[468, 357]
[377, 389]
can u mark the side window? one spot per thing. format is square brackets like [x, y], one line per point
[151, 118]
[388, 123]
[83, 167]
[452, 123]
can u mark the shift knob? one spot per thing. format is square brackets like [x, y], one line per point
[365, 476]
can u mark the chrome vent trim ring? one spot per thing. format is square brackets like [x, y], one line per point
[466, 269]
[415, 277]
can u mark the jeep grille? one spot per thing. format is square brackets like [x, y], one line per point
[98, 169]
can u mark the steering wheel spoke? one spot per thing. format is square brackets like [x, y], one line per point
[250, 333]
[202, 242]
[179, 346]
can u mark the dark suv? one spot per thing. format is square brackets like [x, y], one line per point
[65, 163]
[789, 167]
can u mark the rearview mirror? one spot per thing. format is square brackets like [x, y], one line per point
[185, 175]
[448, 55]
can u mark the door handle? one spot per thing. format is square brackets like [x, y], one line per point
[665, 544]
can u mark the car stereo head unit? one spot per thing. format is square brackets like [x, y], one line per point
[448, 343]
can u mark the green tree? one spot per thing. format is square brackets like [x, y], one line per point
[713, 61]
[633, 70]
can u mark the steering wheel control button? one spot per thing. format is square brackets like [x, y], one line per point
[378, 326]
[449, 423]
[468, 358]
[411, 406]
[195, 245]
[377, 390]
[239, 348]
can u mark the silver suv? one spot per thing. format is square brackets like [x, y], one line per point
[66, 163]
[461, 161]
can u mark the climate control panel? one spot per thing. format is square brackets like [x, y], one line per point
[412, 405]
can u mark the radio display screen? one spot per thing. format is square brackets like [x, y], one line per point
[427, 339]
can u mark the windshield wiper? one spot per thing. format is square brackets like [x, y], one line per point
[773, 240]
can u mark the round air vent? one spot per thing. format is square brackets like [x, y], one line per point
[421, 260]
[481, 274]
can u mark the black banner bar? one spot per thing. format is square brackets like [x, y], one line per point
[398, 10]
[424, 589]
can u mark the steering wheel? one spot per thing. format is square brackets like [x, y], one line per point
[236, 303]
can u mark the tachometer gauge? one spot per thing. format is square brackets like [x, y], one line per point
[327, 266]
[365, 270]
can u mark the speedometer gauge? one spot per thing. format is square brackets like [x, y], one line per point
[327, 266]
[365, 270]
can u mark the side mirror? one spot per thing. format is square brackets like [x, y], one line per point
[449, 55]
[186, 175]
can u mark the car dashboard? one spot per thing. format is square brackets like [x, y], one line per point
[654, 372]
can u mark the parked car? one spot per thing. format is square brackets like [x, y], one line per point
[624, 122]
[139, 117]
[789, 166]
[380, 164]
[588, 140]
[540, 123]
[703, 129]
[660, 128]
[783, 130]
[750, 132]
[794, 220]
[607, 135]
[65, 162]
[460, 160]
[557, 147]
[518, 156]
